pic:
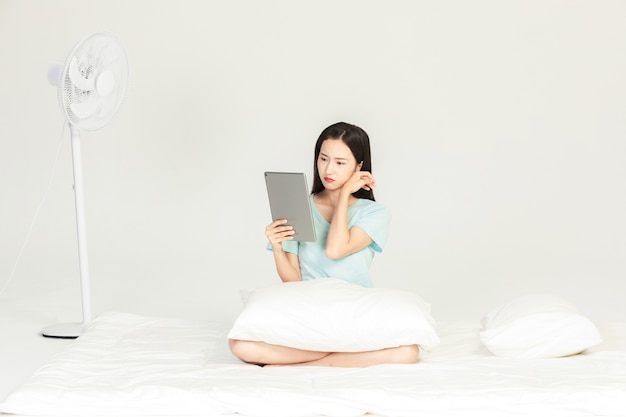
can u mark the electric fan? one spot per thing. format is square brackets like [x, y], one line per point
[92, 85]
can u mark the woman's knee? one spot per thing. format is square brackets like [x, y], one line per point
[242, 349]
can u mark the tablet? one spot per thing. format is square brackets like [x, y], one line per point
[288, 195]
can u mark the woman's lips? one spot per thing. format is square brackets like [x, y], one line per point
[327, 179]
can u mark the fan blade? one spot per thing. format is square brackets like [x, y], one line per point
[77, 77]
[105, 82]
[101, 50]
[109, 107]
[86, 108]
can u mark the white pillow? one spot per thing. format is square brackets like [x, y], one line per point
[537, 326]
[332, 315]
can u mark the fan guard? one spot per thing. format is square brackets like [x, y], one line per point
[93, 81]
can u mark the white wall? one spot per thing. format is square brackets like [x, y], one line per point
[498, 132]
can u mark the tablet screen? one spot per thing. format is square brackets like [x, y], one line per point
[288, 195]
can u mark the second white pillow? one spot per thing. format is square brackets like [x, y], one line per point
[537, 326]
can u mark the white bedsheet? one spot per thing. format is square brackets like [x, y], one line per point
[128, 365]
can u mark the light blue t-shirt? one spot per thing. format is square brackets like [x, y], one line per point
[372, 217]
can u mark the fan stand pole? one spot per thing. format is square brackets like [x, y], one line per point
[73, 330]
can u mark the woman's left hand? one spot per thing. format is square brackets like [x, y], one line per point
[360, 179]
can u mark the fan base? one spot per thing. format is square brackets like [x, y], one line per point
[63, 330]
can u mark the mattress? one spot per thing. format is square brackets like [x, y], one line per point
[130, 365]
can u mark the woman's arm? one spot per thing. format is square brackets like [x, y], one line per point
[287, 264]
[342, 241]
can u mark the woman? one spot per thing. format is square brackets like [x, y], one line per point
[351, 226]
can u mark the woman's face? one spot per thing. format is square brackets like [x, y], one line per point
[335, 164]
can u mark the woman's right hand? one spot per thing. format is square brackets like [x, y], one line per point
[278, 231]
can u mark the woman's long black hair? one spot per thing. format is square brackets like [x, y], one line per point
[359, 143]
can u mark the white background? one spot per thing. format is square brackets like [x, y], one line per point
[498, 131]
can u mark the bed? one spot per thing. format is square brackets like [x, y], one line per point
[133, 365]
